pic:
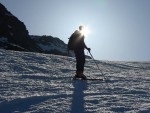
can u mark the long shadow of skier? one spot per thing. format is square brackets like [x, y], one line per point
[78, 97]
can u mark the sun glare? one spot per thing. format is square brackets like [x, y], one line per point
[85, 31]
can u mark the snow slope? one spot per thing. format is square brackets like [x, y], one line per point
[41, 83]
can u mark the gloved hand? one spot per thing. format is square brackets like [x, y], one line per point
[89, 49]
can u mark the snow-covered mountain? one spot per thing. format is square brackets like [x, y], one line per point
[52, 45]
[42, 83]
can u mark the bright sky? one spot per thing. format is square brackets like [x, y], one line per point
[120, 29]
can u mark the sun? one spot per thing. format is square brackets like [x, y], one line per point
[85, 31]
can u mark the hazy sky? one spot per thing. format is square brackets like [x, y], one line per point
[120, 29]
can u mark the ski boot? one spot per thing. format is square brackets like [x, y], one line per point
[80, 76]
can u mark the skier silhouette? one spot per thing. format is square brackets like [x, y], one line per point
[78, 48]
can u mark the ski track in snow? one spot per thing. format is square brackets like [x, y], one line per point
[42, 83]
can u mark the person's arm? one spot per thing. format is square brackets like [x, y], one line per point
[89, 49]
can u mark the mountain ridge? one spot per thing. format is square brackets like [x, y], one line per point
[15, 36]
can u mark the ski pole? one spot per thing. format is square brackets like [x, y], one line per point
[96, 63]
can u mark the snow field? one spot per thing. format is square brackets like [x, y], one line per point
[42, 83]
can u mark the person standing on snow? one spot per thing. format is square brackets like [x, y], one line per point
[78, 48]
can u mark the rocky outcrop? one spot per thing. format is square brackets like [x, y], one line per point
[15, 36]
[13, 33]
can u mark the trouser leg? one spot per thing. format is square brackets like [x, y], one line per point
[80, 61]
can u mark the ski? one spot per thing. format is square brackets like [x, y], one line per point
[95, 79]
[89, 79]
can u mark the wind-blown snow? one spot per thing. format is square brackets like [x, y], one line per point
[42, 83]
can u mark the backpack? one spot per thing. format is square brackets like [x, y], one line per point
[72, 40]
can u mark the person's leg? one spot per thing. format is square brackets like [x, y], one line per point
[80, 61]
[77, 55]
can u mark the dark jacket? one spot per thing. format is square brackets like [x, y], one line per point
[79, 41]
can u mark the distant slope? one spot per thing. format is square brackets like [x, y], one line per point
[42, 83]
[52, 45]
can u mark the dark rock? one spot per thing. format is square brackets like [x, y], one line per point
[15, 31]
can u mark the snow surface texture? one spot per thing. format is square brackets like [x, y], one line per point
[42, 83]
